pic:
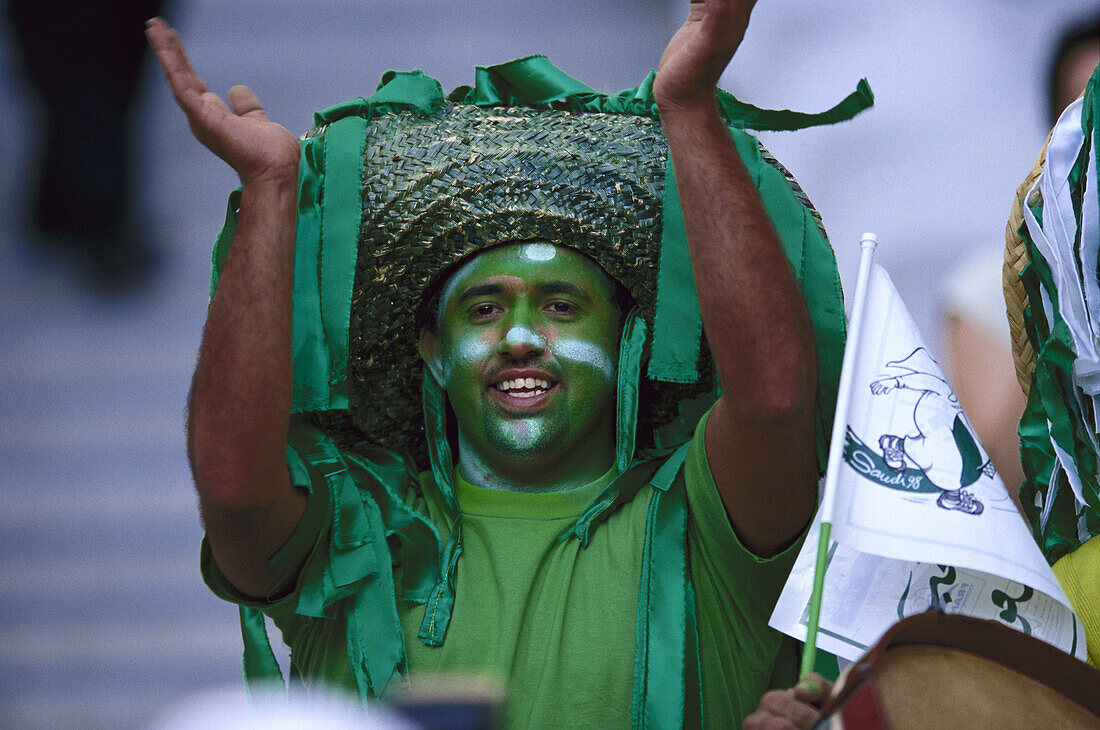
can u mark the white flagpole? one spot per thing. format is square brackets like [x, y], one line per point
[836, 447]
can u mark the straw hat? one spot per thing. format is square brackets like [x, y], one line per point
[441, 187]
[445, 186]
[1015, 261]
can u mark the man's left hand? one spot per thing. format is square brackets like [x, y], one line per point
[699, 51]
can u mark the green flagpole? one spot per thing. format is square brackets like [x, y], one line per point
[836, 447]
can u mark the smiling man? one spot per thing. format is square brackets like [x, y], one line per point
[454, 412]
[526, 347]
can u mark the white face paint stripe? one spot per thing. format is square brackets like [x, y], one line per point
[468, 351]
[525, 433]
[471, 351]
[524, 336]
[586, 353]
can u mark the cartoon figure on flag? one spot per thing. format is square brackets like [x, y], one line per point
[942, 445]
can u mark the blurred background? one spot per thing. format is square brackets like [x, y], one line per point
[104, 621]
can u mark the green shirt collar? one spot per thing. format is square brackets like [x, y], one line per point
[482, 502]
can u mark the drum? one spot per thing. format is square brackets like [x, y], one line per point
[935, 670]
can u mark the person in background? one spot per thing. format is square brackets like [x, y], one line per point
[977, 343]
[83, 62]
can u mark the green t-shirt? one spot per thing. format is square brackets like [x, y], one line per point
[554, 619]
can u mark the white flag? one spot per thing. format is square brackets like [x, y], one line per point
[921, 519]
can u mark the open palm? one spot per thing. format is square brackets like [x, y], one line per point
[239, 132]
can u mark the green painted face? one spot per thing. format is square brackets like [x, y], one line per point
[527, 349]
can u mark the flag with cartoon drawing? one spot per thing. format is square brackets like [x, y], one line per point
[921, 518]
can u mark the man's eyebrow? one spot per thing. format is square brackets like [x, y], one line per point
[562, 287]
[545, 288]
[481, 290]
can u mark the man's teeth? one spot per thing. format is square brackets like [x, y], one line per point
[530, 386]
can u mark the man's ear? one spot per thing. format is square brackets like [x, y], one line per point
[432, 354]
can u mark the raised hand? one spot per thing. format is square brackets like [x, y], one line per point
[699, 52]
[239, 133]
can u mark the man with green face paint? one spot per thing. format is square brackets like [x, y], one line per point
[525, 347]
[559, 520]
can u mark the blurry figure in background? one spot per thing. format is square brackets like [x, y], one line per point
[82, 61]
[1077, 54]
[977, 346]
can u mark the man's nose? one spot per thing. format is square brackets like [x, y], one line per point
[520, 339]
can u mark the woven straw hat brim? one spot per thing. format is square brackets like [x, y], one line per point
[1015, 261]
[442, 187]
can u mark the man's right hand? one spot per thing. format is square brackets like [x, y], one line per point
[258, 149]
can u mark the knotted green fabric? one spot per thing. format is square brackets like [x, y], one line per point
[372, 526]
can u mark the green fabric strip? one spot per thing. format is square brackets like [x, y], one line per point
[398, 91]
[341, 213]
[309, 345]
[825, 301]
[531, 81]
[746, 116]
[631, 347]
[225, 238]
[388, 478]
[678, 324]
[535, 82]
[694, 707]
[437, 613]
[353, 575]
[622, 489]
[661, 632]
[640, 714]
[435, 431]
[358, 571]
[440, 603]
[260, 665]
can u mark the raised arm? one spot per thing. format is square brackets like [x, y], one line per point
[760, 437]
[240, 399]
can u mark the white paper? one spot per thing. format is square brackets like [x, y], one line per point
[866, 594]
